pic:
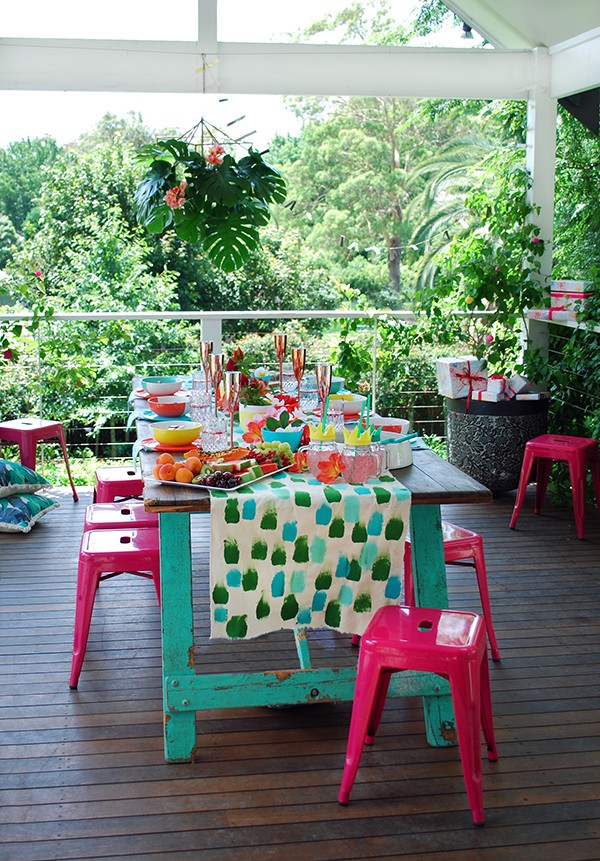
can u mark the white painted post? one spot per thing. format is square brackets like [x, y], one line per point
[541, 163]
[212, 330]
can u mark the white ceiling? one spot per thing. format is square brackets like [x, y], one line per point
[548, 44]
[529, 23]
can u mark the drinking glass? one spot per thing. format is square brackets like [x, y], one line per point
[214, 433]
[335, 416]
[206, 348]
[323, 377]
[298, 365]
[200, 399]
[309, 399]
[216, 374]
[280, 341]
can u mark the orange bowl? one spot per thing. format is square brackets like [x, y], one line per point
[169, 406]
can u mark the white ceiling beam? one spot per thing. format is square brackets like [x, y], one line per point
[177, 67]
[575, 65]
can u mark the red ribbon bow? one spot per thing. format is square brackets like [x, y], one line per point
[468, 377]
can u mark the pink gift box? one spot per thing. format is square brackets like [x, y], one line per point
[569, 301]
[459, 376]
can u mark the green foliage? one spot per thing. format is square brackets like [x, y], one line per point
[9, 240]
[577, 213]
[22, 170]
[493, 266]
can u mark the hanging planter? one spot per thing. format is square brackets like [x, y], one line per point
[206, 195]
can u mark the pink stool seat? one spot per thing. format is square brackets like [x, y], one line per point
[28, 432]
[452, 645]
[105, 553]
[119, 515]
[578, 452]
[459, 545]
[118, 483]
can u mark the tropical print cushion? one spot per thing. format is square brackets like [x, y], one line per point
[16, 478]
[19, 512]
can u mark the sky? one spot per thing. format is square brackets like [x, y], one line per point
[65, 116]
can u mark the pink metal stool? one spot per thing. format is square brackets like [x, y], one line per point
[106, 553]
[118, 515]
[578, 452]
[117, 483]
[459, 545]
[28, 432]
[448, 643]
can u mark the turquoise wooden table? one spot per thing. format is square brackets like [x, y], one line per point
[432, 482]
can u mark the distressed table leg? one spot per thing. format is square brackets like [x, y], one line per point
[177, 629]
[431, 590]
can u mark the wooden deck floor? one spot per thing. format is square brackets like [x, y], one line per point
[83, 773]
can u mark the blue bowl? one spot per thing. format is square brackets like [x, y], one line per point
[292, 437]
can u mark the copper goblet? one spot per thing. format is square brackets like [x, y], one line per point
[206, 348]
[231, 388]
[323, 377]
[280, 341]
[298, 366]
[216, 374]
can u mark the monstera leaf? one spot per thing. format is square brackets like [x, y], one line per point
[211, 198]
[230, 242]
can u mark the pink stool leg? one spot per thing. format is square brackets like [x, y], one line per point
[577, 472]
[409, 584]
[544, 465]
[87, 584]
[523, 482]
[487, 719]
[63, 445]
[367, 678]
[594, 463]
[27, 450]
[378, 706]
[481, 573]
[465, 684]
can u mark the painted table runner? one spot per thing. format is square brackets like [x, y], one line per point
[291, 551]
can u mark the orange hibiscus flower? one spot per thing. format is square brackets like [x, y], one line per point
[331, 468]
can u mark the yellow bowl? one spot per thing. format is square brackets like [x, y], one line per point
[175, 433]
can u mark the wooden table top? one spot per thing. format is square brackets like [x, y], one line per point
[431, 481]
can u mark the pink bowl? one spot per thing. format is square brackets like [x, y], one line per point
[169, 406]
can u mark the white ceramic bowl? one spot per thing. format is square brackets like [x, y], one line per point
[161, 385]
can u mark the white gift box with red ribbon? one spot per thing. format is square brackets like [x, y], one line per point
[460, 376]
[559, 313]
[532, 396]
[498, 384]
[493, 397]
[571, 286]
[569, 301]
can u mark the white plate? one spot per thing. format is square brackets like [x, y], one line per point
[226, 489]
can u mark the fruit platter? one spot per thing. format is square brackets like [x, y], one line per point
[223, 470]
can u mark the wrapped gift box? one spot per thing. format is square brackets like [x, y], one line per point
[553, 314]
[532, 396]
[517, 385]
[569, 301]
[498, 385]
[494, 397]
[571, 286]
[458, 376]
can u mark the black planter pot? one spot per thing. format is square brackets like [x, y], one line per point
[488, 441]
